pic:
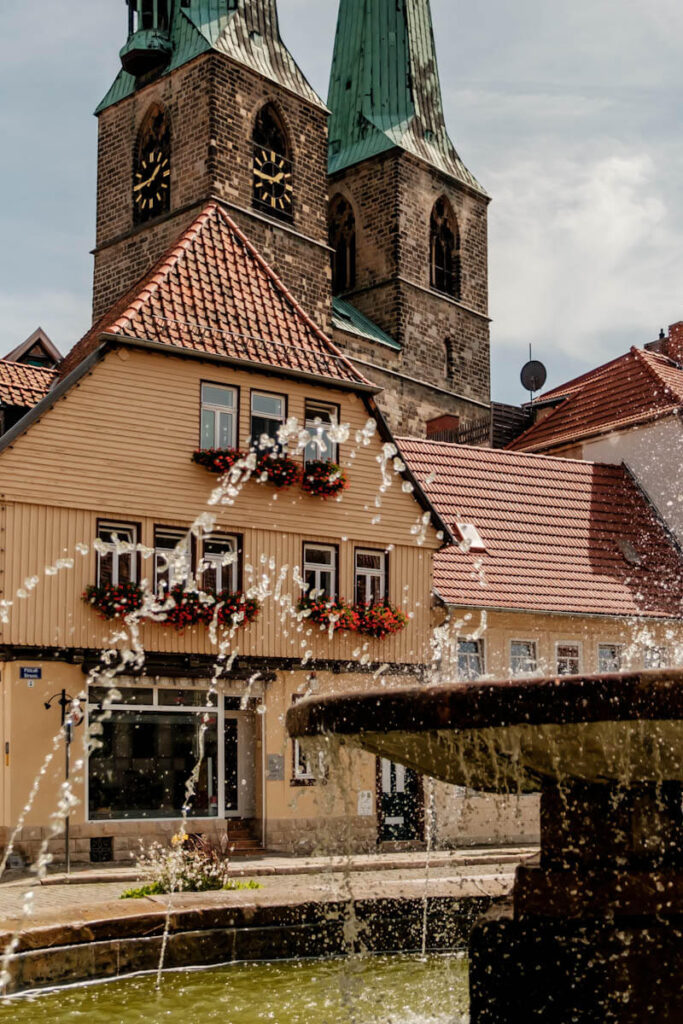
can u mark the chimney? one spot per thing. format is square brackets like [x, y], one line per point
[673, 346]
[444, 428]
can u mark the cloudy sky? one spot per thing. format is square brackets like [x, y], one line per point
[567, 111]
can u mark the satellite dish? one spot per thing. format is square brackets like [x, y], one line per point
[534, 375]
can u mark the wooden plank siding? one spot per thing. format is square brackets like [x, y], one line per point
[119, 446]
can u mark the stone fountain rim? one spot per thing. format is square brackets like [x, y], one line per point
[649, 695]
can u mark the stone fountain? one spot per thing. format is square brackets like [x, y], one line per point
[594, 930]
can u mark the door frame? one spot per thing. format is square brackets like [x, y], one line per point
[419, 806]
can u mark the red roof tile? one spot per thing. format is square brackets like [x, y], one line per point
[635, 388]
[558, 534]
[22, 385]
[212, 292]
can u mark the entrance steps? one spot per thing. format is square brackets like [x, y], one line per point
[243, 838]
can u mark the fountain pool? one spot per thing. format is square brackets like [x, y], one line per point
[368, 990]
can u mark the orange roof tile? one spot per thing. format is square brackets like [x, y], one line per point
[559, 535]
[212, 292]
[635, 388]
[23, 385]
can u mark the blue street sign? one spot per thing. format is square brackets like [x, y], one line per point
[31, 673]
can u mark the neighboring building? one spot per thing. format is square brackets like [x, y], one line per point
[37, 350]
[408, 222]
[26, 376]
[629, 411]
[210, 349]
[564, 568]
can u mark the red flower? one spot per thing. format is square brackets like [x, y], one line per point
[324, 479]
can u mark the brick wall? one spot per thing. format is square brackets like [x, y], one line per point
[212, 103]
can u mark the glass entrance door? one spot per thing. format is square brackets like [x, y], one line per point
[400, 803]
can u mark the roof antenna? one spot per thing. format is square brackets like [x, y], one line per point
[662, 335]
[534, 375]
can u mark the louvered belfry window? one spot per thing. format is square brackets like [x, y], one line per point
[445, 249]
[343, 245]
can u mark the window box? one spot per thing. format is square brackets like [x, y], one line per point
[278, 470]
[380, 620]
[340, 616]
[324, 479]
[217, 460]
[114, 600]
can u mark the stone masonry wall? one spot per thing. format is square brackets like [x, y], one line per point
[212, 104]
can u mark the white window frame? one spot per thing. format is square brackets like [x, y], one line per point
[370, 574]
[480, 655]
[112, 548]
[318, 429]
[162, 562]
[527, 672]
[319, 567]
[650, 662]
[569, 643]
[216, 561]
[619, 648]
[280, 420]
[218, 411]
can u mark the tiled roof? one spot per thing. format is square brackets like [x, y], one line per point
[212, 292]
[22, 385]
[560, 535]
[346, 317]
[635, 388]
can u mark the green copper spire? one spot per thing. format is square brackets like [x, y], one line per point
[385, 90]
[247, 31]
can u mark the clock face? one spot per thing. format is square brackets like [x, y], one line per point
[152, 184]
[272, 181]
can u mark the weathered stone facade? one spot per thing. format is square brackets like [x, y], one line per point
[212, 103]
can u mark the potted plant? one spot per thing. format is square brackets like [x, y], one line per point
[324, 479]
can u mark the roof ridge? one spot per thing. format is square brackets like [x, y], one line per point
[546, 419]
[510, 452]
[649, 361]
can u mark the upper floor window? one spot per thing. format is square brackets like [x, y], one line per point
[272, 166]
[220, 563]
[444, 249]
[152, 167]
[523, 657]
[610, 657]
[268, 413]
[657, 657]
[343, 245]
[219, 416]
[568, 659]
[116, 553]
[470, 659]
[147, 14]
[320, 571]
[320, 419]
[371, 577]
[172, 557]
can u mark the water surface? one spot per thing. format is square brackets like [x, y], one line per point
[371, 990]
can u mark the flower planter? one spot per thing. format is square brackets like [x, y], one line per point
[381, 620]
[278, 470]
[378, 620]
[114, 601]
[217, 460]
[184, 607]
[341, 615]
[324, 479]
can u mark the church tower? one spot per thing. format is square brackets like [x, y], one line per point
[209, 104]
[408, 223]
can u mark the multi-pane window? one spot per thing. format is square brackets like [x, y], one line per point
[568, 659]
[610, 658]
[320, 571]
[319, 421]
[657, 657]
[116, 553]
[470, 659]
[371, 577]
[267, 416]
[220, 568]
[172, 557]
[523, 657]
[219, 416]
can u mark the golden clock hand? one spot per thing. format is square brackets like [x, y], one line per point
[144, 184]
[266, 177]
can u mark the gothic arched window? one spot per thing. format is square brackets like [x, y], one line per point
[445, 249]
[152, 166]
[272, 167]
[343, 244]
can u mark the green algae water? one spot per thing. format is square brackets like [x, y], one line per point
[370, 990]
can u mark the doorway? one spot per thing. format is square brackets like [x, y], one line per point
[400, 803]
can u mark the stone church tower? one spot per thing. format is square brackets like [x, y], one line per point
[210, 104]
[408, 225]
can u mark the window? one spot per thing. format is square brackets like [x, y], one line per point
[303, 773]
[609, 658]
[523, 657]
[371, 577]
[470, 659]
[320, 571]
[220, 564]
[568, 659]
[445, 249]
[267, 416]
[343, 245]
[219, 417]
[172, 557]
[272, 168]
[116, 553]
[657, 657]
[319, 421]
